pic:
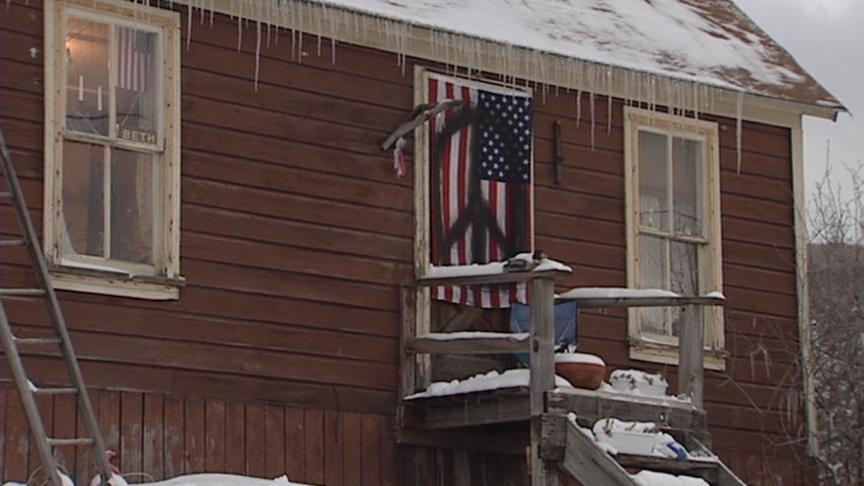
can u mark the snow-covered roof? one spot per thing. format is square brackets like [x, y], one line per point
[710, 42]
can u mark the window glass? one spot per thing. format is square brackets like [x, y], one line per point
[653, 190]
[653, 266]
[83, 207]
[133, 197]
[87, 89]
[137, 85]
[683, 275]
[686, 174]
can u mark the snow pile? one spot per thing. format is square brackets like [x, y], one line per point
[583, 358]
[483, 382]
[222, 480]
[456, 336]
[653, 478]
[636, 382]
[195, 480]
[642, 438]
[616, 293]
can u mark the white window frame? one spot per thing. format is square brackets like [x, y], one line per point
[111, 277]
[659, 348]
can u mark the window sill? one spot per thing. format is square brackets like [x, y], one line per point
[668, 354]
[117, 284]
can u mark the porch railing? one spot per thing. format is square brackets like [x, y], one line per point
[417, 343]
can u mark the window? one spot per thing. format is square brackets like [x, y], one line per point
[112, 148]
[673, 227]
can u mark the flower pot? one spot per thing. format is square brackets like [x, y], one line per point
[580, 369]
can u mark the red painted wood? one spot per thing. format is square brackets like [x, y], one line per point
[370, 450]
[193, 435]
[131, 434]
[173, 460]
[16, 440]
[313, 441]
[333, 448]
[295, 445]
[153, 436]
[65, 418]
[256, 440]
[216, 437]
[274, 451]
[235, 437]
[353, 446]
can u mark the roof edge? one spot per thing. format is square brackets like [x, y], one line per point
[474, 54]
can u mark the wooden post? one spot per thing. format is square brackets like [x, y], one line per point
[407, 366]
[542, 368]
[691, 350]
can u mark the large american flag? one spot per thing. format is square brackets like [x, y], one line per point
[480, 184]
[135, 59]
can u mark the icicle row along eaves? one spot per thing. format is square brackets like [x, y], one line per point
[472, 55]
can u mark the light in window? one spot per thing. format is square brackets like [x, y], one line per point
[87, 96]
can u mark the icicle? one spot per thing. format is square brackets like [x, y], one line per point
[257, 53]
[332, 51]
[609, 115]
[591, 107]
[189, 14]
[239, 32]
[739, 116]
[578, 108]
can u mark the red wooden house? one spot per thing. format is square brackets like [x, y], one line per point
[230, 240]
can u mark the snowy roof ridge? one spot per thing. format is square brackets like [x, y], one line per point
[710, 42]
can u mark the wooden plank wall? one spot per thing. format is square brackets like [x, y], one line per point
[159, 436]
[295, 233]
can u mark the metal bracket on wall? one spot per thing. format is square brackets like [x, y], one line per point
[559, 159]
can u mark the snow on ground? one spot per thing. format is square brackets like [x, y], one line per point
[483, 382]
[194, 480]
[653, 478]
[222, 480]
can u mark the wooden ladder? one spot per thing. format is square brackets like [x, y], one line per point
[585, 461]
[27, 390]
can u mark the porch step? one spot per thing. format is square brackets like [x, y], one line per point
[589, 464]
[469, 342]
[21, 292]
[70, 442]
[12, 243]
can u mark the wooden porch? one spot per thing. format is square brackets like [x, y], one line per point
[539, 421]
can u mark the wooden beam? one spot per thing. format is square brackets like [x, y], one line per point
[465, 413]
[691, 355]
[592, 405]
[490, 278]
[542, 369]
[511, 445]
[407, 369]
[588, 464]
[487, 343]
[707, 470]
[614, 302]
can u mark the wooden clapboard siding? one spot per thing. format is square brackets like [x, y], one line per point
[166, 435]
[295, 235]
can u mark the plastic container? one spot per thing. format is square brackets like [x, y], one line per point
[639, 383]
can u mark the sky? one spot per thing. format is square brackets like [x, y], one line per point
[827, 39]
